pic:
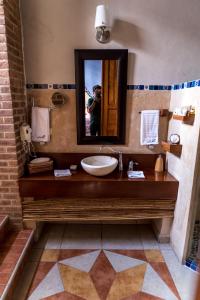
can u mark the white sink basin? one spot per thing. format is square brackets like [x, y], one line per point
[99, 165]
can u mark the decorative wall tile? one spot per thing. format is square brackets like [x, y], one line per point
[71, 86]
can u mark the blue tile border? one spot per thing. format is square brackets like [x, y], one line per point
[71, 86]
[186, 85]
[50, 86]
[192, 264]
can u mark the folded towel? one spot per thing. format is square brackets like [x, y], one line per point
[135, 174]
[40, 124]
[61, 173]
[149, 127]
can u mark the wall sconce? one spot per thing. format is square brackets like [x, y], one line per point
[102, 24]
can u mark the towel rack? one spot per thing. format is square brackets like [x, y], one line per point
[163, 112]
[51, 107]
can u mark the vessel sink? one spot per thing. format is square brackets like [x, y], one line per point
[99, 165]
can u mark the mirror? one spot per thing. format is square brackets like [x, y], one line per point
[101, 86]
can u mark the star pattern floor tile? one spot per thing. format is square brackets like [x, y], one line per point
[127, 283]
[42, 270]
[63, 296]
[50, 255]
[78, 283]
[142, 296]
[103, 275]
[163, 272]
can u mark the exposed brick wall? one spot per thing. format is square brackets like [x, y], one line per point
[12, 109]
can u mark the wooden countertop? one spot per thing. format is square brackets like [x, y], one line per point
[118, 185]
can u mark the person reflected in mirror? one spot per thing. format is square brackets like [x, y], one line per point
[94, 109]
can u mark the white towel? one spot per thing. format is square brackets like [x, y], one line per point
[40, 124]
[149, 127]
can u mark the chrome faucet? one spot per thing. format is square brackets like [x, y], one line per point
[132, 164]
[114, 151]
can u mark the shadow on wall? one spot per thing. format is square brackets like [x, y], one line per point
[128, 35]
[131, 66]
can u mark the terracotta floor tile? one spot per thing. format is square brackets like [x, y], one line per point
[103, 282]
[42, 270]
[127, 283]
[63, 296]
[164, 273]
[154, 256]
[103, 275]
[138, 254]
[78, 282]
[142, 296]
[50, 255]
[64, 254]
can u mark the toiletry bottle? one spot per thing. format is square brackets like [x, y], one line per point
[159, 164]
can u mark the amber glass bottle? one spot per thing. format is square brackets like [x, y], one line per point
[159, 165]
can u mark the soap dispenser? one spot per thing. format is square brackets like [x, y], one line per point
[159, 165]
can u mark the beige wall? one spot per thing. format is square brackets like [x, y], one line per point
[63, 121]
[163, 42]
[185, 169]
[162, 38]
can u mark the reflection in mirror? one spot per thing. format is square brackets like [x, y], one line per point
[101, 97]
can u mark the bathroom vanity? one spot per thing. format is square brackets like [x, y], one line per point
[83, 197]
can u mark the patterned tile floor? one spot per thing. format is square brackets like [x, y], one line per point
[109, 262]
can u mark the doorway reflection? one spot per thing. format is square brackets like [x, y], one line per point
[93, 83]
[101, 97]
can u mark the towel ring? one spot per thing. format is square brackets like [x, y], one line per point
[58, 99]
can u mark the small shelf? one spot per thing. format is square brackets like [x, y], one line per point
[188, 119]
[175, 149]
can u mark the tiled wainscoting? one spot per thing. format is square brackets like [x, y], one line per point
[97, 262]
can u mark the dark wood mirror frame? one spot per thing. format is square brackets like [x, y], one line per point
[107, 54]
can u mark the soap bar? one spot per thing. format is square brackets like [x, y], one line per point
[135, 174]
[59, 173]
[73, 167]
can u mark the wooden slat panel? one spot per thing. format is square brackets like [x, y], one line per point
[99, 216]
[96, 209]
[109, 203]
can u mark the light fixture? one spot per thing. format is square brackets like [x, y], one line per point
[101, 24]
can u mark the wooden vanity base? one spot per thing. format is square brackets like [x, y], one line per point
[85, 198]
